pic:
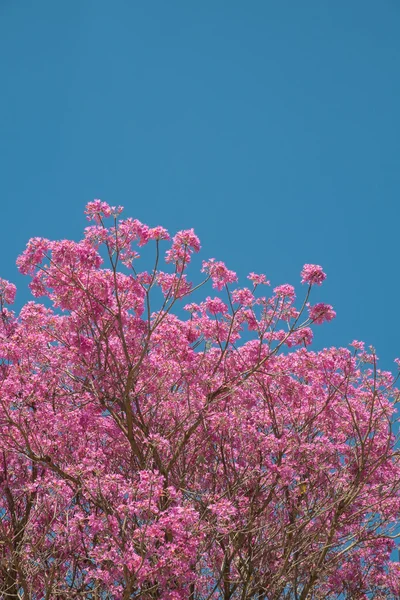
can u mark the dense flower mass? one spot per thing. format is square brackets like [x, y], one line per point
[155, 445]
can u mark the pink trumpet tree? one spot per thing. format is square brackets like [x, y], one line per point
[157, 443]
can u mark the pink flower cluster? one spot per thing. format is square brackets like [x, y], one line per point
[285, 290]
[183, 244]
[243, 296]
[321, 312]
[36, 250]
[174, 285]
[215, 306]
[97, 209]
[219, 274]
[312, 274]
[258, 279]
[7, 292]
[130, 230]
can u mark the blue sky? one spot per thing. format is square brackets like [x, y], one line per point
[272, 128]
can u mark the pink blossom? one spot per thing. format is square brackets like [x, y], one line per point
[321, 312]
[130, 230]
[158, 233]
[188, 238]
[173, 284]
[215, 306]
[191, 307]
[36, 250]
[223, 509]
[220, 275]
[183, 244]
[303, 336]
[251, 320]
[96, 235]
[285, 290]
[7, 291]
[38, 285]
[258, 279]
[357, 345]
[312, 274]
[128, 256]
[243, 296]
[97, 208]
[144, 278]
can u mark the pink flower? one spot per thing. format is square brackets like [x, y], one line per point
[357, 345]
[96, 234]
[144, 278]
[223, 509]
[285, 290]
[183, 244]
[128, 256]
[191, 307]
[243, 296]
[36, 250]
[173, 285]
[215, 306]
[220, 275]
[301, 337]
[321, 312]
[188, 238]
[251, 320]
[7, 291]
[133, 229]
[312, 274]
[37, 287]
[158, 233]
[258, 279]
[97, 208]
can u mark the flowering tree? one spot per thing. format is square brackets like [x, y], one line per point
[146, 454]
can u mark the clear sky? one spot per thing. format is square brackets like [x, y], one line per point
[270, 127]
